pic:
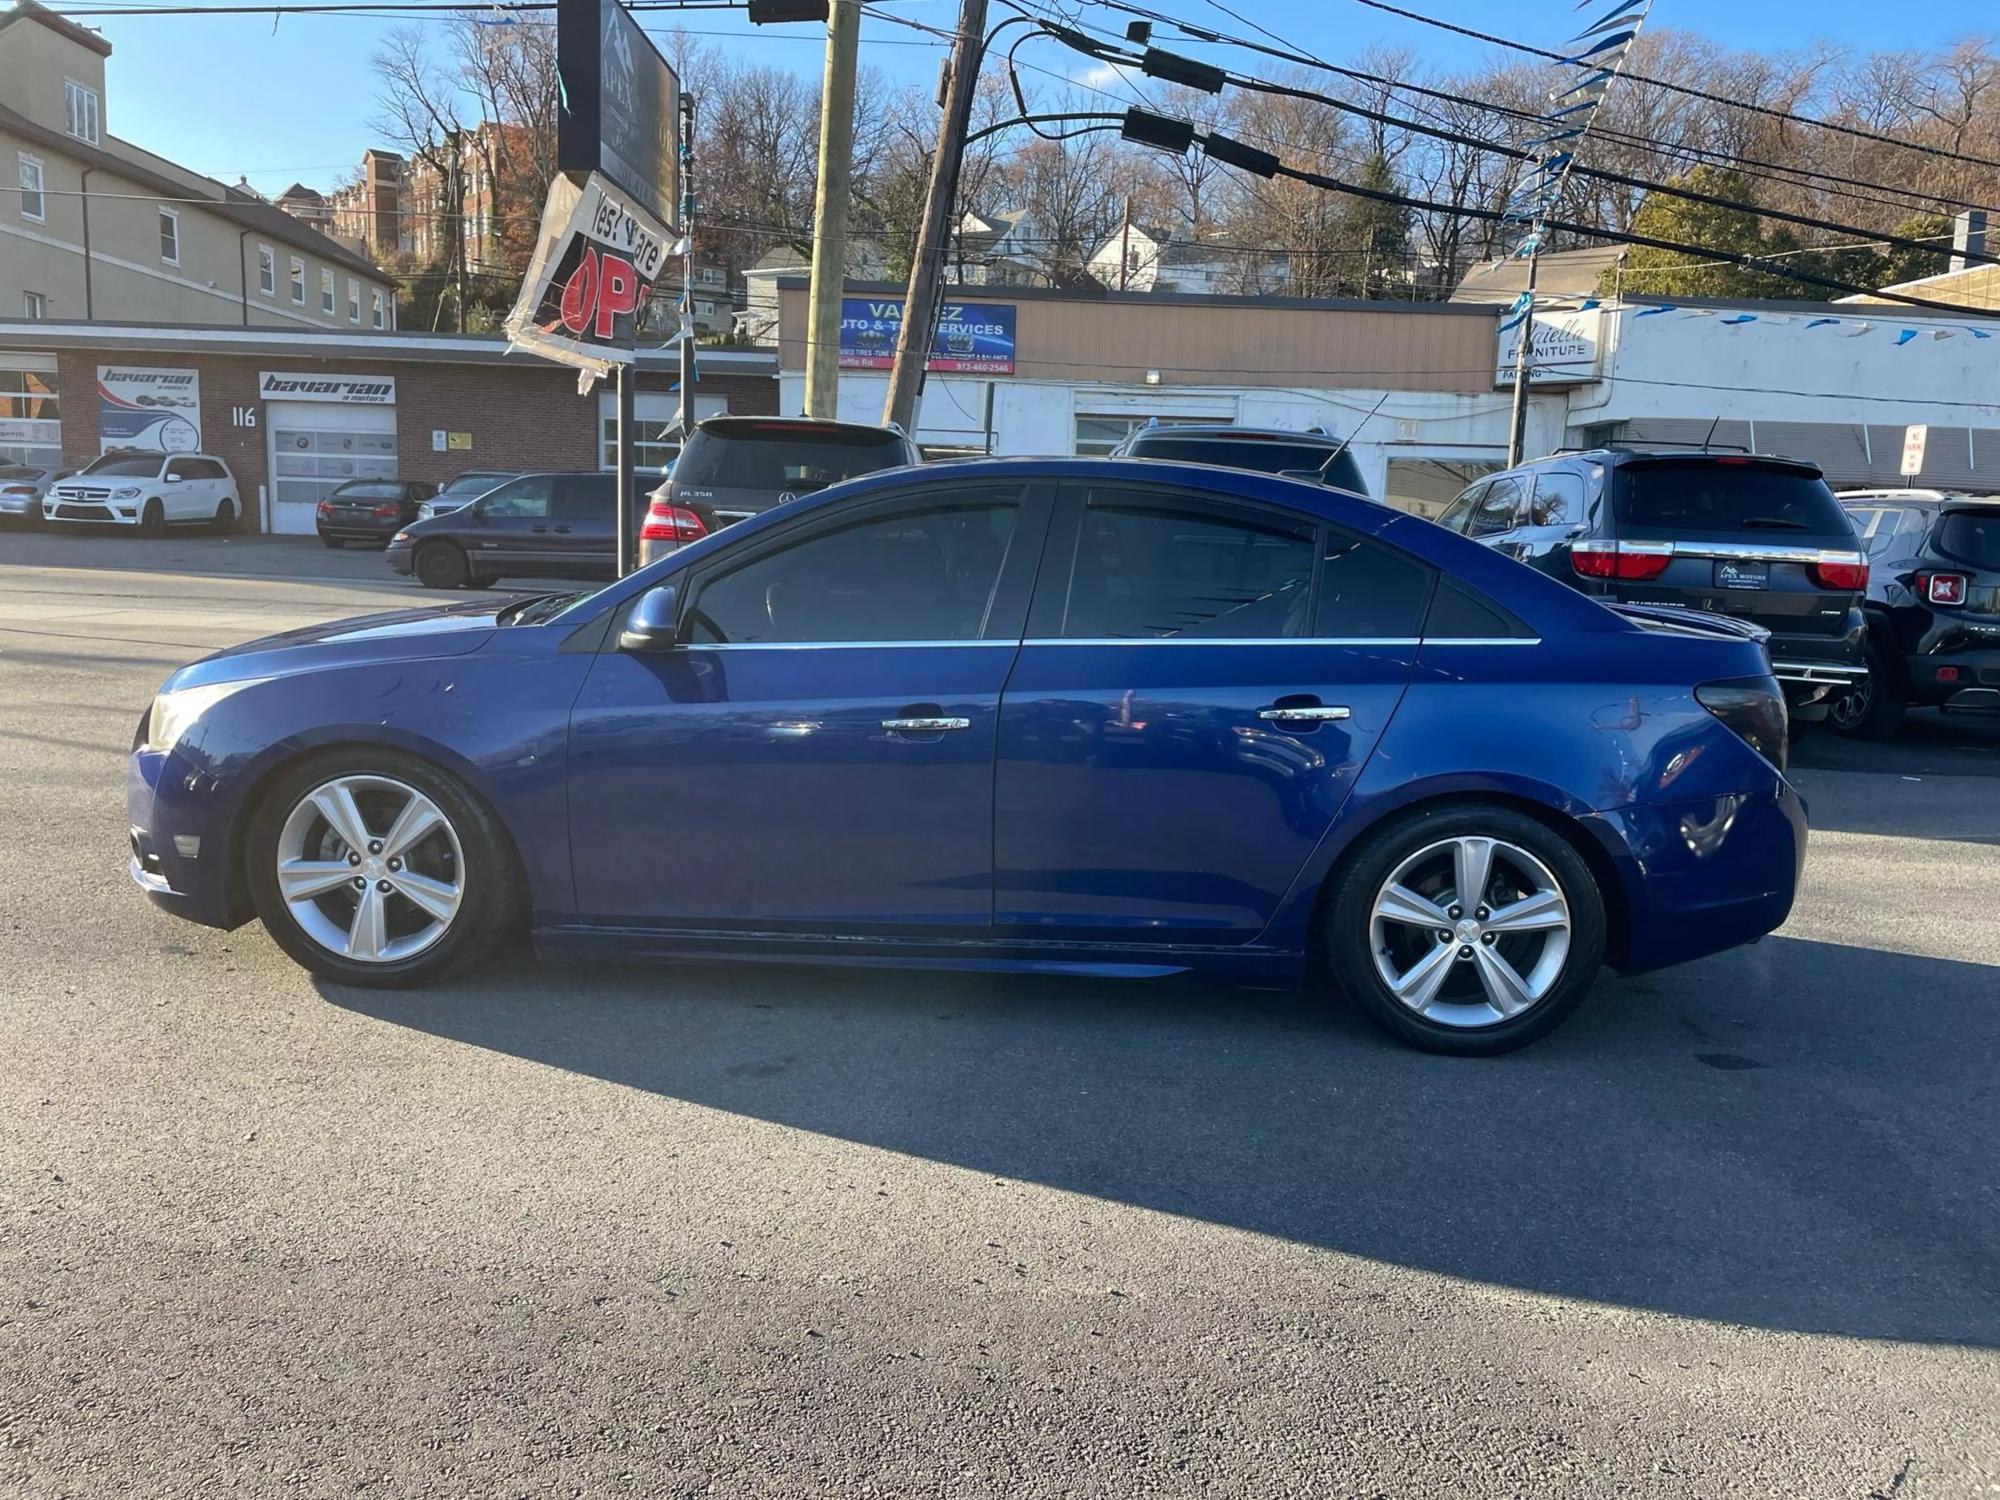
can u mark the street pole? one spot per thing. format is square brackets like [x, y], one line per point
[913, 341]
[1517, 429]
[1125, 245]
[628, 379]
[836, 167]
[687, 269]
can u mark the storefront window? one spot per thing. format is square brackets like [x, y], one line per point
[30, 415]
[654, 445]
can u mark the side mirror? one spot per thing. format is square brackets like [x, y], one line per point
[653, 624]
[175, 476]
[477, 512]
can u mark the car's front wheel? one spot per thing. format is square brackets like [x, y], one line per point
[376, 868]
[1467, 928]
[153, 520]
[440, 565]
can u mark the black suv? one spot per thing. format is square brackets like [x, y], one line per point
[1754, 538]
[737, 466]
[1268, 450]
[1933, 608]
[537, 526]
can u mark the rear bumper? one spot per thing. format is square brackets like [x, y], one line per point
[1943, 677]
[343, 532]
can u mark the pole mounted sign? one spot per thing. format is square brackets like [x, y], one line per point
[593, 269]
[1915, 439]
[619, 106]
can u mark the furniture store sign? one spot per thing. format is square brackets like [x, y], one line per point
[973, 338]
[342, 390]
[1560, 353]
[144, 406]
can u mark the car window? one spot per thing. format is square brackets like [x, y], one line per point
[1459, 511]
[1498, 508]
[1970, 537]
[784, 459]
[1368, 592]
[924, 574]
[370, 489]
[472, 485]
[1886, 530]
[526, 498]
[1144, 573]
[1558, 499]
[1677, 496]
[587, 497]
[1459, 614]
[135, 466]
[1264, 455]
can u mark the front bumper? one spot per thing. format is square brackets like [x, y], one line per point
[57, 512]
[402, 557]
[178, 850]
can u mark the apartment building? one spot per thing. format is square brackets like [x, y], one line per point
[98, 228]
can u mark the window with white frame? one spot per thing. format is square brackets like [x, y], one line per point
[375, 306]
[326, 292]
[298, 281]
[34, 305]
[353, 300]
[81, 101]
[170, 236]
[267, 271]
[34, 205]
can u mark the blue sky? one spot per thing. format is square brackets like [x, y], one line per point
[230, 95]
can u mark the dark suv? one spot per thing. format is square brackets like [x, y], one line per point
[1750, 537]
[1933, 608]
[1268, 450]
[537, 526]
[737, 466]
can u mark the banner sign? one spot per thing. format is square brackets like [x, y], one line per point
[973, 338]
[344, 390]
[619, 105]
[144, 406]
[1559, 353]
[593, 269]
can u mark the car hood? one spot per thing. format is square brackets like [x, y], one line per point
[398, 635]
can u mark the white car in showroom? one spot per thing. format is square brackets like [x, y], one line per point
[148, 491]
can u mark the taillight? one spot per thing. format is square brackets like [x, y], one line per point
[1633, 562]
[671, 523]
[18, 489]
[385, 512]
[1840, 570]
[1942, 588]
[325, 507]
[1754, 710]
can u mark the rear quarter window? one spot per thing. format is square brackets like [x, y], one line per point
[721, 460]
[1970, 537]
[1706, 497]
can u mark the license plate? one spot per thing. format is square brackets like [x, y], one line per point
[1742, 575]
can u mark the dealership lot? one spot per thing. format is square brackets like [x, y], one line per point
[553, 1230]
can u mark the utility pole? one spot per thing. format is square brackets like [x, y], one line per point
[913, 341]
[458, 217]
[1125, 245]
[836, 169]
[1517, 429]
[687, 269]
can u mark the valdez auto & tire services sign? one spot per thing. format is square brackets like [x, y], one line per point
[973, 338]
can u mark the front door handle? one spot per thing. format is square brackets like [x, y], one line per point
[924, 726]
[562, 531]
[1304, 713]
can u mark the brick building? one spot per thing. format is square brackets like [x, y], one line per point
[296, 414]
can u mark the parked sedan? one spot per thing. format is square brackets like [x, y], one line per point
[1029, 715]
[22, 487]
[369, 510]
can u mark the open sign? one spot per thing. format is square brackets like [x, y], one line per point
[592, 273]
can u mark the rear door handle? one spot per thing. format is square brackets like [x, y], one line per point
[1304, 713]
[562, 531]
[924, 726]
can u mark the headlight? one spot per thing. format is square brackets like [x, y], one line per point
[176, 712]
[401, 536]
[129, 492]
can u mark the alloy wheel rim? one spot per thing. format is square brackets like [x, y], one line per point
[1851, 707]
[1470, 932]
[370, 869]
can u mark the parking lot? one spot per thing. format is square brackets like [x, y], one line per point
[558, 1230]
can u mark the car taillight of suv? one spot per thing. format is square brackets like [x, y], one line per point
[670, 523]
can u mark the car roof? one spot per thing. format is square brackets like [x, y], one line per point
[1229, 432]
[743, 425]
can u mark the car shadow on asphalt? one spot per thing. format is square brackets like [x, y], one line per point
[1797, 1135]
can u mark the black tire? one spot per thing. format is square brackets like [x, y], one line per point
[441, 565]
[1347, 930]
[1873, 711]
[495, 890]
[225, 516]
[480, 580]
[152, 521]
[333, 543]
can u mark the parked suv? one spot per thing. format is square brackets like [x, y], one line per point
[149, 491]
[369, 510]
[1754, 538]
[462, 489]
[537, 526]
[734, 467]
[1267, 450]
[1933, 608]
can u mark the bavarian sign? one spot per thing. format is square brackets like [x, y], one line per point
[593, 269]
[147, 406]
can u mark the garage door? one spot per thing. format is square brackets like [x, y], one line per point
[316, 445]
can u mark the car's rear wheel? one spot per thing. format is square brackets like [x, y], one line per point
[334, 542]
[225, 515]
[153, 520]
[440, 565]
[376, 868]
[1468, 928]
[1872, 710]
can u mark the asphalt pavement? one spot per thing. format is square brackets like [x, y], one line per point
[560, 1230]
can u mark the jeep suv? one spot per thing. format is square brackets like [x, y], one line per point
[148, 491]
[1268, 450]
[1933, 608]
[1754, 538]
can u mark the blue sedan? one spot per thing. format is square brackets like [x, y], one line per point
[1036, 715]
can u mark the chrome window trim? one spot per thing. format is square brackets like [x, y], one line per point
[834, 645]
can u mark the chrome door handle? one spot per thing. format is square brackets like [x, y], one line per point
[1303, 714]
[924, 726]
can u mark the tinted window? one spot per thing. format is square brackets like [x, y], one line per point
[775, 459]
[1887, 531]
[1459, 614]
[1558, 499]
[922, 575]
[370, 490]
[524, 498]
[1970, 537]
[1153, 573]
[472, 485]
[587, 497]
[1369, 592]
[1266, 456]
[1691, 495]
[1459, 511]
[1497, 509]
[139, 466]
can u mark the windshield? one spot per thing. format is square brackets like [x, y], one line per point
[774, 460]
[141, 466]
[1679, 496]
[1971, 537]
[1249, 453]
[472, 486]
[365, 490]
